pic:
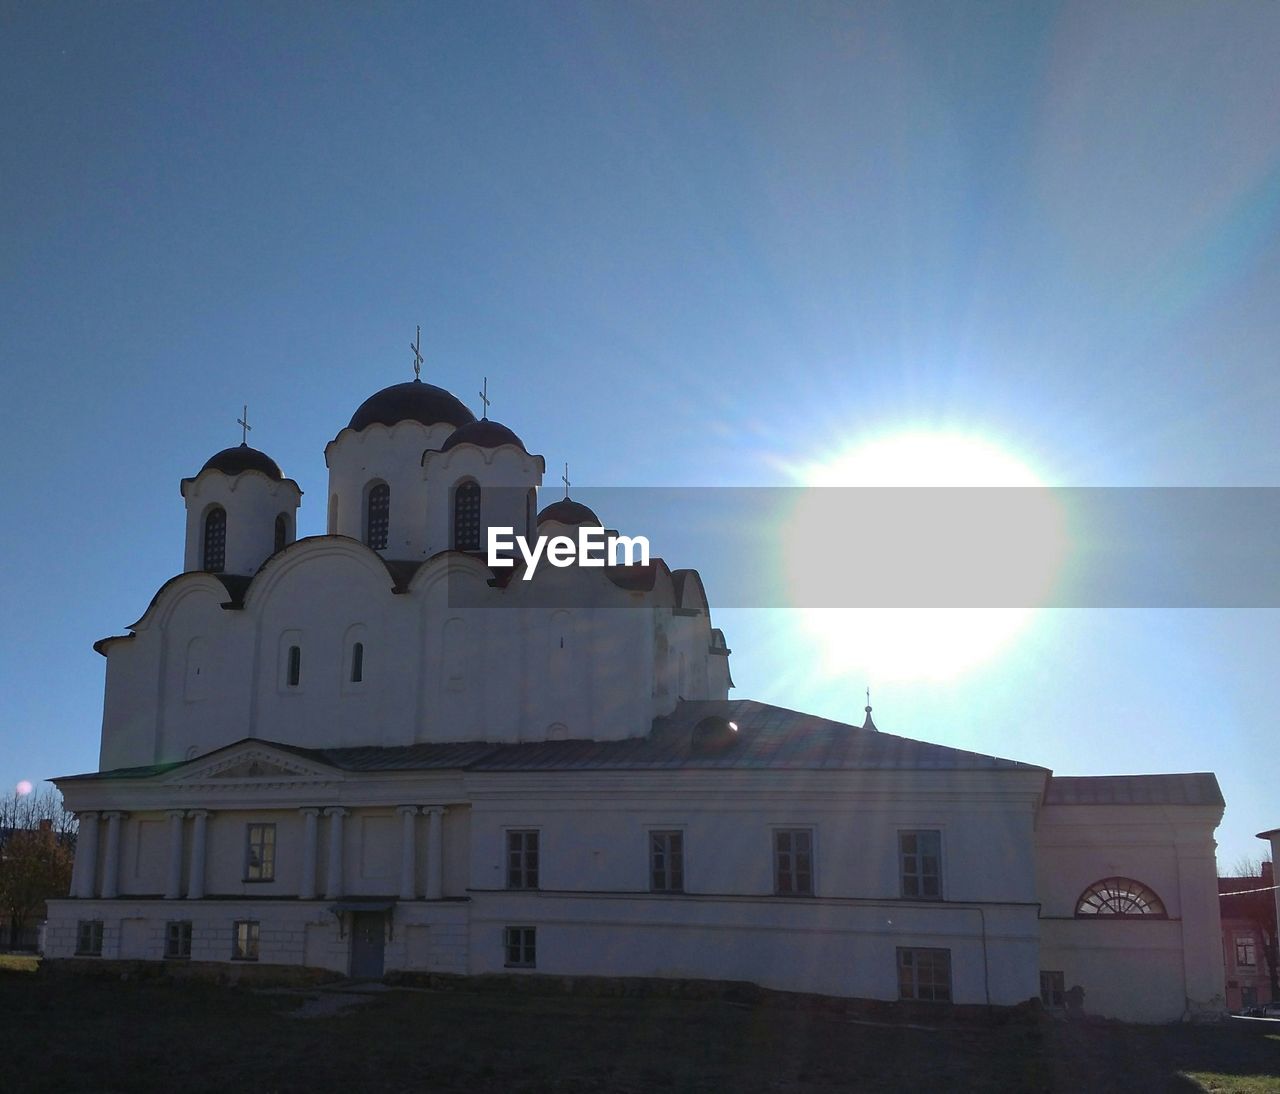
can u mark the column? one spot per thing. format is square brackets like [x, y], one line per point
[435, 852]
[310, 843]
[333, 876]
[408, 851]
[84, 870]
[111, 864]
[173, 884]
[199, 837]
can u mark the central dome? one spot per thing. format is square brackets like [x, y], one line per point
[413, 401]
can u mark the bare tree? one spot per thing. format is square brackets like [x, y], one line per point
[37, 846]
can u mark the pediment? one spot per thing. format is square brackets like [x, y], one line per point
[254, 764]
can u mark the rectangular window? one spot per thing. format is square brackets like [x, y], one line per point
[1246, 951]
[522, 860]
[793, 862]
[1053, 990]
[924, 974]
[244, 940]
[521, 944]
[177, 938]
[89, 938]
[295, 666]
[920, 855]
[260, 852]
[666, 862]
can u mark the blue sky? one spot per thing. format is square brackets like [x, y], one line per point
[689, 244]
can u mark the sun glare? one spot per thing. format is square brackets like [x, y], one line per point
[934, 582]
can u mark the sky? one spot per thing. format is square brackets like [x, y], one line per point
[689, 245]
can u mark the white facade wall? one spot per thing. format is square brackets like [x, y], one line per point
[423, 937]
[1149, 970]
[506, 476]
[728, 819]
[252, 501]
[450, 655]
[575, 654]
[593, 911]
[828, 946]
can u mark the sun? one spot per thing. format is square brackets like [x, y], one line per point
[900, 583]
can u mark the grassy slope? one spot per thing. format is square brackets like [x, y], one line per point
[104, 1035]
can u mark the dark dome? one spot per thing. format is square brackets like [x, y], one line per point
[713, 734]
[568, 512]
[411, 402]
[484, 434]
[231, 461]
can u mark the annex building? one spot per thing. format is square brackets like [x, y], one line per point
[369, 751]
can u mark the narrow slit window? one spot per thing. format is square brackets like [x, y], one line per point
[295, 666]
[282, 532]
[357, 663]
[378, 517]
[215, 540]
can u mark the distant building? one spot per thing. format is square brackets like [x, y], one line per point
[371, 751]
[1247, 905]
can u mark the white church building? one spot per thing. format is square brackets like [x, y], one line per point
[370, 751]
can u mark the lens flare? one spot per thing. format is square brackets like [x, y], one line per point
[24, 788]
[919, 641]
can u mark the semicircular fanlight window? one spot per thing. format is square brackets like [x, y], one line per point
[1119, 897]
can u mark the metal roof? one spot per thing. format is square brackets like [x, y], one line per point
[767, 738]
[1194, 788]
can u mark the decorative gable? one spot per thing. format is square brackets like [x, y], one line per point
[255, 764]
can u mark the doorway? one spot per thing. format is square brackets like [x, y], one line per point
[368, 940]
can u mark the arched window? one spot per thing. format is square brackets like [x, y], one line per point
[215, 539]
[1119, 897]
[377, 516]
[357, 663]
[282, 532]
[466, 517]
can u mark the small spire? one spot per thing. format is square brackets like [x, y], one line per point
[243, 423]
[868, 723]
[484, 398]
[416, 346]
[565, 479]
